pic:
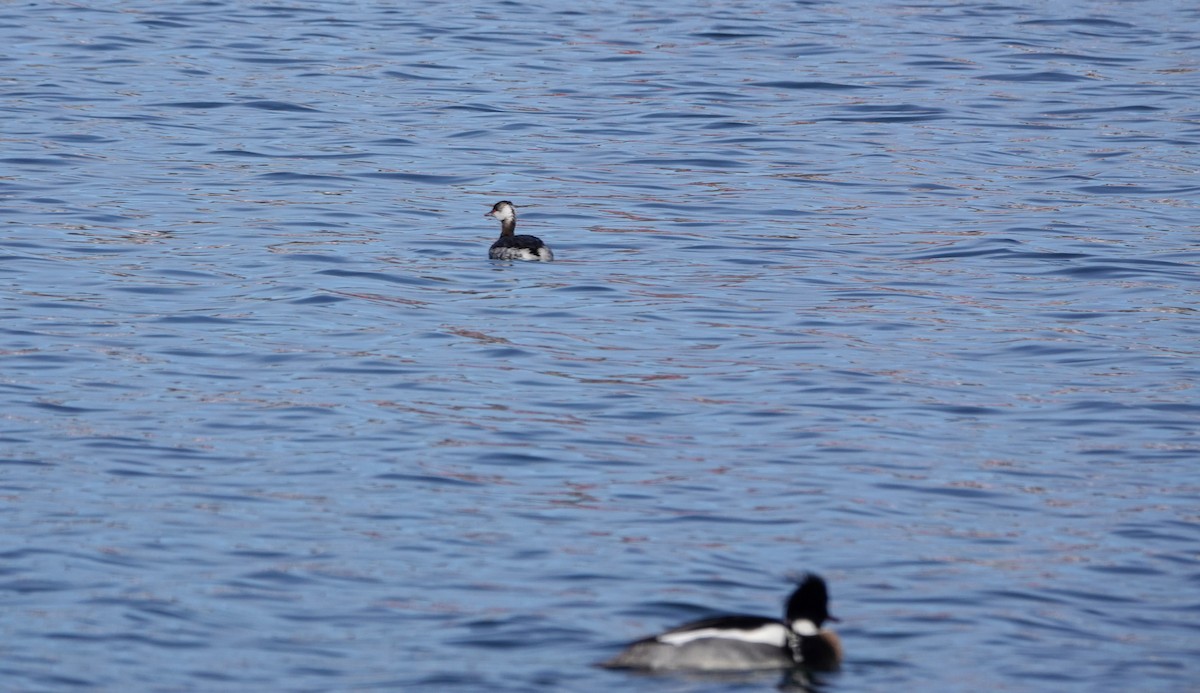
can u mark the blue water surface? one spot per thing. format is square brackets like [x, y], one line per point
[903, 294]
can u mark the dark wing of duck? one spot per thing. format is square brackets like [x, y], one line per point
[730, 623]
[520, 242]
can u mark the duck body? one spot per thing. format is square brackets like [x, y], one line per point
[520, 247]
[744, 643]
[724, 643]
[513, 246]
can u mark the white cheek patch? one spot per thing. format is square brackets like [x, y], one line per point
[769, 634]
[804, 627]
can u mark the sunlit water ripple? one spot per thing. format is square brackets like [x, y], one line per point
[905, 295]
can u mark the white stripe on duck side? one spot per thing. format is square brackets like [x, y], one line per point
[767, 634]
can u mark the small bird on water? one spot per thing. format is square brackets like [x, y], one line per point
[511, 246]
[745, 643]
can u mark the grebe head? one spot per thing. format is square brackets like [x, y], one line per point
[808, 607]
[503, 210]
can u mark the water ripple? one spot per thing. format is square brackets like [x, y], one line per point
[901, 294]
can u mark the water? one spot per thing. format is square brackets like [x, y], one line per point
[905, 295]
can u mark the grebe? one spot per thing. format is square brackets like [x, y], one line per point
[511, 246]
[745, 643]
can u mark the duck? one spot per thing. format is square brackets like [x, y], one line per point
[745, 643]
[511, 246]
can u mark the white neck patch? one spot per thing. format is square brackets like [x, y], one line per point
[767, 634]
[805, 627]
